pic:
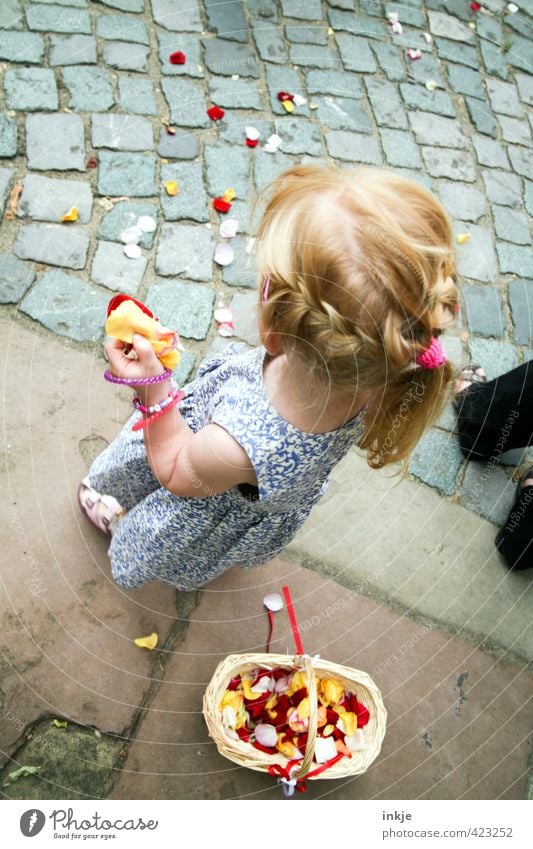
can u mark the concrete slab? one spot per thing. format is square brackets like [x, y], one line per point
[457, 718]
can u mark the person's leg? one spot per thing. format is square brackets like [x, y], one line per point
[497, 416]
[515, 540]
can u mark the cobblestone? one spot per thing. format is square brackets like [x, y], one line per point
[491, 153]
[302, 34]
[284, 79]
[521, 160]
[121, 132]
[494, 59]
[339, 113]
[178, 15]
[55, 142]
[186, 101]
[521, 301]
[436, 460]
[185, 250]
[386, 104]
[515, 259]
[90, 89]
[481, 116]
[334, 83]
[400, 149]
[476, 258]
[112, 268]
[497, 357]
[244, 306]
[125, 57]
[30, 89]
[455, 164]
[137, 96]
[169, 42]
[314, 56]
[24, 47]
[130, 174]
[72, 50]
[182, 145]
[227, 19]
[437, 131]
[270, 45]
[119, 28]
[186, 306]
[463, 202]
[16, 278]
[418, 97]
[510, 225]
[453, 51]
[52, 244]
[484, 310]
[490, 494]
[67, 306]
[524, 83]
[8, 136]
[234, 94]
[44, 18]
[123, 216]
[353, 147]
[243, 271]
[465, 81]
[226, 58]
[504, 98]
[226, 167]
[356, 54]
[515, 131]
[11, 16]
[46, 199]
[191, 201]
[502, 188]
[391, 60]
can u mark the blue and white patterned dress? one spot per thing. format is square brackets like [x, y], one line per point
[187, 541]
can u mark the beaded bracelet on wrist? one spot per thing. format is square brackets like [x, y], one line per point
[138, 381]
[142, 423]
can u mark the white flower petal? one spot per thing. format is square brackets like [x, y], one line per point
[252, 133]
[266, 734]
[228, 228]
[224, 254]
[132, 251]
[147, 224]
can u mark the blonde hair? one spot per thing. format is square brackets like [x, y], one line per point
[361, 263]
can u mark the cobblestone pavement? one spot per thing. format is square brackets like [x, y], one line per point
[89, 93]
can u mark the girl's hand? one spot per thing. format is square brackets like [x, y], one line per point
[146, 365]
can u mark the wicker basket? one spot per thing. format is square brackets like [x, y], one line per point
[352, 680]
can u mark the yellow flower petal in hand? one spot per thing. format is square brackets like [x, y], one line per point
[171, 188]
[128, 319]
[147, 642]
[71, 215]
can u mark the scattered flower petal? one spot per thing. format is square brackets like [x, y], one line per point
[461, 238]
[221, 205]
[224, 254]
[224, 315]
[356, 741]
[471, 25]
[171, 131]
[397, 28]
[132, 251]
[272, 144]
[266, 734]
[215, 113]
[325, 749]
[177, 58]
[288, 105]
[273, 601]
[251, 142]
[475, 7]
[171, 187]
[313, 106]
[147, 224]
[431, 85]
[131, 236]
[414, 54]
[282, 685]
[228, 228]
[428, 38]
[299, 100]
[512, 8]
[149, 642]
[71, 215]
[229, 195]
[285, 95]
[252, 133]
[92, 162]
[393, 17]
[226, 330]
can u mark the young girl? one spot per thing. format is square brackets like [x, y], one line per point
[355, 286]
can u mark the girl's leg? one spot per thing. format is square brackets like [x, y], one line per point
[497, 416]
[515, 540]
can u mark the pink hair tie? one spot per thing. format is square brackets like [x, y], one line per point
[266, 286]
[433, 356]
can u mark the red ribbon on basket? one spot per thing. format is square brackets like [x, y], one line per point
[284, 773]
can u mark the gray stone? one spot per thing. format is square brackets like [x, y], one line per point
[226, 167]
[177, 15]
[72, 50]
[407, 14]
[476, 258]
[56, 18]
[112, 268]
[453, 51]
[120, 28]
[353, 147]
[515, 259]
[184, 369]
[390, 60]
[46, 199]
[524, 83]
[299, 136]
[417, 176]
[334, 83]
[186, 102]
[520, 24]
[6, 176]
[515, 131]
[481, 116]
[284, 79]
[449, 27]
[455, 164]
[370, 7]
[243, 270]
[269, 166]
[90, 89]
[232, 128]
[185, 250]
[123, 216]
[227, 19]
[8, 136]
[314, 56]
[489, 491]
[185, 306]
[466, 81]
[137, 96]
[521, 301]
[191, 200]
[356, 54]
[52, 244]
[494, 59]
[30, 89]
[528, 196]
[130, 174]
[226, 58]
[24, 47]
[519, 55]
[496, 356]
[489, 28]
[358, 25]
[182, 145]
[426, 68]
[434, 130]
[304, 34]
[123, 5]
[418, 97]
[339, 113]
[462, 202]
[266, 9]
[490, 152]
[400, 149]
[190, 45]
[126, 57]
[235, 94]
[302, 9]
[66, 306]
[11, 15]
[410, 37]
[386, 104]
[484, 310]
[502, 188]
[80, 4]
[521, 160]
[55, 142]
[436, 460]
[504, 98]
[511, 225]
[245, 317]
[122, 132]
[16, 278]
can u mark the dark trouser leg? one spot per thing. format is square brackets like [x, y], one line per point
[497, 416]
[515, 540]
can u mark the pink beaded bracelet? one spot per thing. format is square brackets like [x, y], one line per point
[142, 423]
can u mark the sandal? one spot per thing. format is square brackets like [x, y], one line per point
[102, 511]
[468, 374]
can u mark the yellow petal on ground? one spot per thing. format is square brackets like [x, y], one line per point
[71, 215]
[288, 105]
[171, 188]
[147, 642]
[461, 238]
[229, 195]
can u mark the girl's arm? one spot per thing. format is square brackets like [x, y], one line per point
[184, 462]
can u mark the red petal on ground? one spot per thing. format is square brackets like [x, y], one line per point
[252, 142]
[177, 58]
[215, 113]
[221, 205]
[285, 95]
[92, 162]
[475, 7]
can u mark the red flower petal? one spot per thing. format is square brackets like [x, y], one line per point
[92, 162]
[215, 113]
[177, 58]
[234, 683]
[297, 697]
[332, 716]
[252, 142]
[362, 715]
[244, 734]
[221, 205]
[268, 749]
[475, 7]
[118, 300]
[285, 95]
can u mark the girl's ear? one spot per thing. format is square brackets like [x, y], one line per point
[269, 340]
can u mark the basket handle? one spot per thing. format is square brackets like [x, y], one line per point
[313, 717]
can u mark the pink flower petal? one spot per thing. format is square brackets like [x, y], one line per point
[224, 254]
[266, 734]
[228, 228]
[224, 315]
